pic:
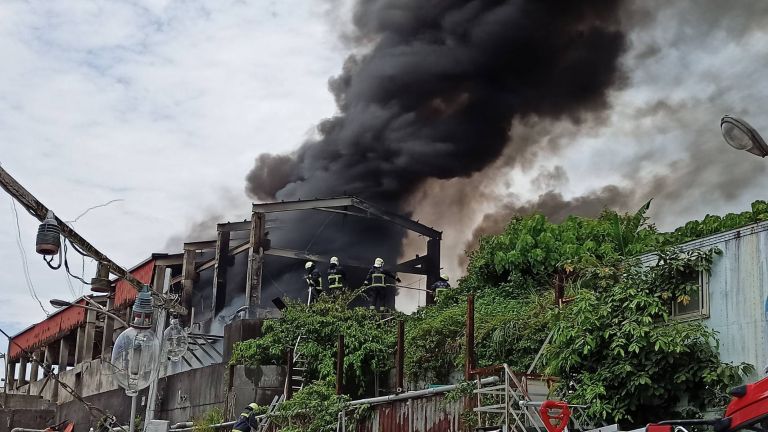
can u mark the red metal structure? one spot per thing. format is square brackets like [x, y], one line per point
[748, 410]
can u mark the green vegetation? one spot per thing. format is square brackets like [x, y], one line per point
[204, 422]
[368, 341]
[315, 409]
[615, 340]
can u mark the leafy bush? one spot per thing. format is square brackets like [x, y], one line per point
[211, 417]
[369, 342]
[626, 358]
[314, 408]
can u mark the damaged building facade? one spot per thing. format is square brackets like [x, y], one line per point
[221, 283]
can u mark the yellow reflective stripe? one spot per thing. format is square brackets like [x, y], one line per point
[334, 281]
[378, 279]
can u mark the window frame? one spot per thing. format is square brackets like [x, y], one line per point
[703, 310]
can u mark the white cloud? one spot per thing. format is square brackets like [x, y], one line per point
[164, 104]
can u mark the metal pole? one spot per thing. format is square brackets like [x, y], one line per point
[469, 361]
[340, 366]
[132, 421]
[400, 355]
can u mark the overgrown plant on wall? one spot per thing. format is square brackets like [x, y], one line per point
[369, 341]
[614, 343]
[618, 350]
[315, 409]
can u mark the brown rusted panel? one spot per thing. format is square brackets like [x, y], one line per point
[429, 414]
[47, 331]
[125, 293]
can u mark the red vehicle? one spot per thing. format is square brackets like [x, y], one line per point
[748, 411]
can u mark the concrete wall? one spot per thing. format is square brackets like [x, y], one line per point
[181, 397]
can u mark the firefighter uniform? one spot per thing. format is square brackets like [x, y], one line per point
[243, 423]
[376, 282]
[337, 277]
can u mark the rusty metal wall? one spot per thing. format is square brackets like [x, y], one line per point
[428, 414]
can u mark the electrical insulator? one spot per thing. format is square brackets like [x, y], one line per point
[48, 236]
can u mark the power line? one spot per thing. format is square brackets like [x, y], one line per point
[93, 208]
[24, 262]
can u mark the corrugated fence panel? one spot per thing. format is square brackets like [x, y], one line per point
[428, 414]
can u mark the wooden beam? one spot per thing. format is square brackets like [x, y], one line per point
[220, 271]
[255, 262]
[200, 245]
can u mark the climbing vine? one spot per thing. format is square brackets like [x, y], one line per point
[615, 341]
[369, 341]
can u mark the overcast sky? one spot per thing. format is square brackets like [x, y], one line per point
[165, 104]
[162, 104]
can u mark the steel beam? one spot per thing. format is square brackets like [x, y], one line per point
[276, 207]
[332, 204]
[397, 219]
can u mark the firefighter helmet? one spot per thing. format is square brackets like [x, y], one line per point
[309, 265]
[334, 261]
[378, 263]
[444, 277]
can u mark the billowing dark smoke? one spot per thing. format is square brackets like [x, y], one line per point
[434, 96]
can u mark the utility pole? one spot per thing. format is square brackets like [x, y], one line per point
[38, 210]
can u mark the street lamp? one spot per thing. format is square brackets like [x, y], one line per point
[58, 304]
[741, 136]
[136, 353]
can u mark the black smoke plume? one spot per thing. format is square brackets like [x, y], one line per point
[434, 96]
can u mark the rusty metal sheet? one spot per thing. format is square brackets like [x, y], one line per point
[427, 414]
[47, 331]
[125, 293]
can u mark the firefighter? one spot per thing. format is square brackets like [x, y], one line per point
[314, 281]
[337, 277]
[246, 418]
[376, 282]
[439, 287]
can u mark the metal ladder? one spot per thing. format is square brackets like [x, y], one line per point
[513, 407]
[265, 420]
[299, 367]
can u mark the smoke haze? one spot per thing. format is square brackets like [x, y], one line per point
[465, 113]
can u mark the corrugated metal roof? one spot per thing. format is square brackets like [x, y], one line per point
[125, 293]
[714, 239]
[65, 319]
[46, 331]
